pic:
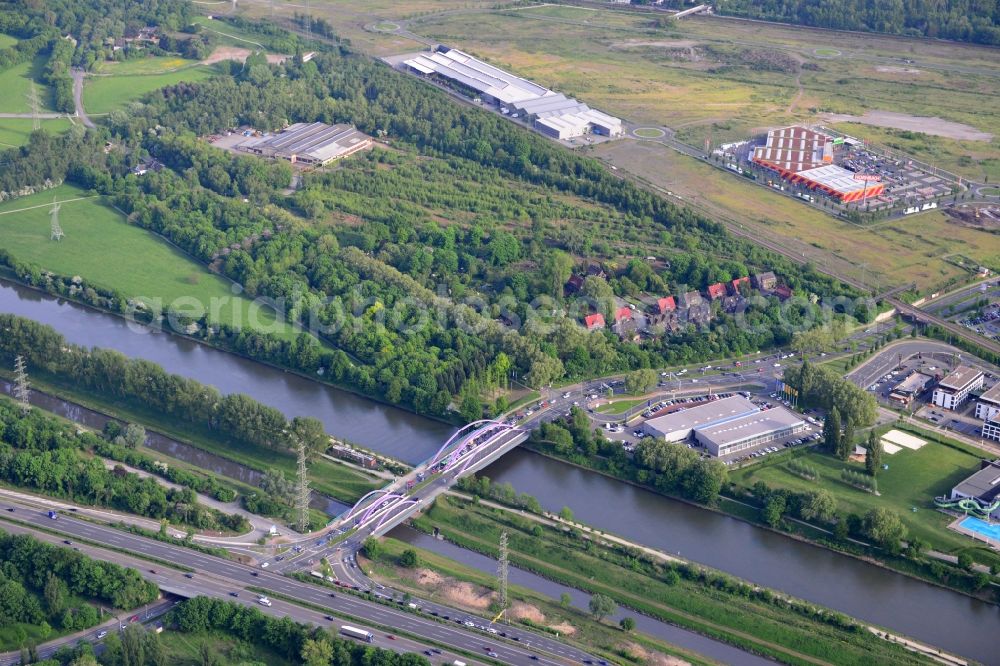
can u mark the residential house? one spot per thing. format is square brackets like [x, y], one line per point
[665, 305]
[594, 321]
[735, 285]
[716, 291]
[690, 299]
[573, 285]
[765, 281]
[783, 292]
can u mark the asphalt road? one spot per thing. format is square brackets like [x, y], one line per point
[219, 577]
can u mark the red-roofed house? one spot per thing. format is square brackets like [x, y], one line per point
[623, 313]
[573, 285]
[783, 292]
[665, 305]
[594, 321]
[716, 291]
[735, 284]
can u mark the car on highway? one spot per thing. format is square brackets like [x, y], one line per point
[391, 637]
[234, 594]
[189, 575]
[101, 634]
[264, 601]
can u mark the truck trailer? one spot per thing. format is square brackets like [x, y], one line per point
[360, 634]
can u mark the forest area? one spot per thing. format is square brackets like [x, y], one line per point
[976, 21]
[407, 265]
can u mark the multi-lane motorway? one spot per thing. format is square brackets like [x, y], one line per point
[220, 577]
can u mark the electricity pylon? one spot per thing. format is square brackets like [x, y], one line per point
[502, 565]
[57, 232]
[35, 105]
[21, 387]
[302, 491]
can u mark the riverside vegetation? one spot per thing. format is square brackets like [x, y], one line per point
[690, 596]
[462, 182]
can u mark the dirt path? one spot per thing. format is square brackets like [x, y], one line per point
[78, 75]
[798, 94]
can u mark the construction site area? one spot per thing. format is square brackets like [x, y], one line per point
[815, 162]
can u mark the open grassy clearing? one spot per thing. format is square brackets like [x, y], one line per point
[184, 649]
[620, 406]
[910, 249]
[719, 78]
[142, 66]
[101, 247]
[103, 94]
[913, 480]
[358, 21]
[7, 40]
[769, 628]
[227, 33]
[444, 580]
[15, 131]
[15, 86]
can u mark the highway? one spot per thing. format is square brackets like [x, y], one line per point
[219, 577]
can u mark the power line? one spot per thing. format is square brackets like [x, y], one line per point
[302, 491]
[502, 566]
[22, 388]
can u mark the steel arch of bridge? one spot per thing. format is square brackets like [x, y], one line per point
[376, 506]
[393, 509]
[464, 432]
[357, 505]
[493, 438]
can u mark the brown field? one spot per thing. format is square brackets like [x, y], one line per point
[911, 249]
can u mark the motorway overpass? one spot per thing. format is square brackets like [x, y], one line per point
[922, 317]
[219, 577]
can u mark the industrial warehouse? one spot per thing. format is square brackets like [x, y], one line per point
[550, 113]
[310, 144]
[806, 157]
[725, 426]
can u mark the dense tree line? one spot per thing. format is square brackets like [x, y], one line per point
[822, 386]
[57, 75]
[294, 641]
[371, 285]
[91, 22]
[39, 581]
[41, 454]
[146, 384]
[669, 467]
[963, 20]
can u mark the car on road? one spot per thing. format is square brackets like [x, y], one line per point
[101, 634]
[189, 575]
[264, 601]
[67, 542]
[328, 618]
[391, 637]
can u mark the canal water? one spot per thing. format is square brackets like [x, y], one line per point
[675, 635]
[389, 430]
[940, 617]
[168, 447]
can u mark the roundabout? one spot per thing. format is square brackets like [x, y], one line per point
[649, 133]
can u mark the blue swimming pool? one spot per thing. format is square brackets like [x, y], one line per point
[991, 530]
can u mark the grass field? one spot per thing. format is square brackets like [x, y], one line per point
[724, 79]
[142, 66]
[463, 586]
[103, 94]
[184, 649]
[15, 86]
[7, 40]
[14, 131]
[101, 247]
[769, 629]
[620, 406]
[911, 249]
[912, 481]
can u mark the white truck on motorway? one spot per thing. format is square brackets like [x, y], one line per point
[360, 634]
[264, 601]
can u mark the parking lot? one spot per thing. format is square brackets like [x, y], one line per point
[629, 435]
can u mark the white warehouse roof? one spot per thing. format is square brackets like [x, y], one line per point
[561, 114]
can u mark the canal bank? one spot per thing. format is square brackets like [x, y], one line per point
[933, 615]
